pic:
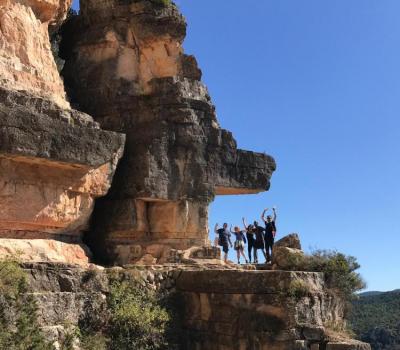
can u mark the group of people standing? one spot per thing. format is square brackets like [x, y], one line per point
[255, 236]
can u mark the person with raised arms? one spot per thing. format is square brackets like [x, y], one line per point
[249, 229]
[270, 232]
[239, 243]
[259, 241]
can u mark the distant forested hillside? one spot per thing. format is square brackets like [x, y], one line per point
[376, 319]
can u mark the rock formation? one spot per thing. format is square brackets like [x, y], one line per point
[54, 161]
[26, 61]
[223, 309]
[125, 66]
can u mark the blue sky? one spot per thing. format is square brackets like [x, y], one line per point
[316, 84]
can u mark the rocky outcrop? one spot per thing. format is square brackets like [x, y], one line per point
[54, 161]
[287, 253]
[26, 61]
[57, 161]
[45, 250]
[282, 310]
[222, 308]
[125, 65]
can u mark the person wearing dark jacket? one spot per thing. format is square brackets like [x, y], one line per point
[259, 241]
[270, 232]
[249, 229]
[224, 238]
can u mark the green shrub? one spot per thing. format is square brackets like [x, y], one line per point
[298, 289]
[94, 342]
[19, 327]
[339, 271]
[162, 2]
[137, 320]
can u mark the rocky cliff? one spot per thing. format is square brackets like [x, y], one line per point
[126, 66]
[54, 161]
[26, 61]
[139, 199]
[222, 309]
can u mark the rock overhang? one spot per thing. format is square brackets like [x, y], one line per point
[54, 161]
[126, 66]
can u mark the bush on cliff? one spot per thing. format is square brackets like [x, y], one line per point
[339, 270]
[138, 321]
[133, 317]
[19, 327]
[162, 2]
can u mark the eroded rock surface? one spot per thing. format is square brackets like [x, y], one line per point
[125, 65]
[54, 161]
[26, 61]
[44, 250]
[223, 309]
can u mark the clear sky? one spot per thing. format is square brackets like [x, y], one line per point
[316, 84]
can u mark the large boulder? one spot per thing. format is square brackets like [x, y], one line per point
[287, 253]
[289, 241]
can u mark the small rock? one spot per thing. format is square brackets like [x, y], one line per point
[150, 277]
[290, 241]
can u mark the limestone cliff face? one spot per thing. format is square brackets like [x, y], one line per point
[222, 309]
[125, 65]
[54, 161]
[26, 61]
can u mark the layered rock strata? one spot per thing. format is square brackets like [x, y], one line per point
[125, 65]
[274, 310]
[223, 309]
[54, 161]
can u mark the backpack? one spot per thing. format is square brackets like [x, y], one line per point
[221, 237]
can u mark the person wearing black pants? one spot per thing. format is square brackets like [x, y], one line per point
[270, 232]
[250, 238]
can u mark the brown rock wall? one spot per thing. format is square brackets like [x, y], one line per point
[254, 311]
[26, 60]
[257, 310]
[125, 65]
[53, 164]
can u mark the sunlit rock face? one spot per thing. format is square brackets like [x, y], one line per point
[53, 164]
[54, 161]
[125, 66]
[26, 60]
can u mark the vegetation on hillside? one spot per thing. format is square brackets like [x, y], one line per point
[375, 319]
[162, 2]
[340, 272]
[133, 318]
[136, 318]
[19, 327]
